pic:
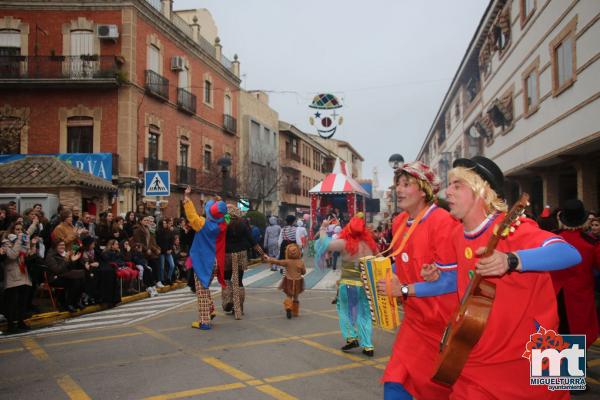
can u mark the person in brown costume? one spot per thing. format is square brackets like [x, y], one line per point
[292, 283]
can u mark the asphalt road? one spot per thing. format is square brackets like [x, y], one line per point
[263, 356]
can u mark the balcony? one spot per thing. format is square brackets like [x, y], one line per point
[292, 156]
[186, 176]
[63, 71]
[153, 164]
[229, 124]
[186, 101]
[157, 85]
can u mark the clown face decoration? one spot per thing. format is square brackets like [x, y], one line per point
[325, 114]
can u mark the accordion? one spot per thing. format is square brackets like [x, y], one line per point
[384, 309]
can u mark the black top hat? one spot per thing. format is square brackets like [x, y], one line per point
[290, 219]
[486, 169]
[573, 214]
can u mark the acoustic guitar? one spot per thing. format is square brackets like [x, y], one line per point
[469, 320]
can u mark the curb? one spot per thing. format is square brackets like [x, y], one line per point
[50, 318]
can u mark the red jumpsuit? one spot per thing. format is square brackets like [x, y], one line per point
[577, 285]
[417, 343]
[495, 368]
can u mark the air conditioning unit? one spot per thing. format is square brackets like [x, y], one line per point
[177, 63]
[107, 32]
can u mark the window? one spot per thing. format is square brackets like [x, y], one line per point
[294, 146]
[564, 58]
[274, 139]
[227, 108]
[527, 9]
[207, 157]
[184, 150]
[531, 92]
[267, 134]
[208, 91]
[153, 136]
[184, 78]
[154, 59]
[457, 111]
[80, 135]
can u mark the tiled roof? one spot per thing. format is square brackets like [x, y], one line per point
[45, 171]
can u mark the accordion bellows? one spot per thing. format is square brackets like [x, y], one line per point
[384, 309]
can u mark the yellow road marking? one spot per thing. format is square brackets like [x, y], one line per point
[35, 349]
[319, 334]
[195, 392]
[71, 388]
[228, 369]
[255, 382]
[314, 372]
[275, 393]
[93, 339]
[247, 344]
[331, 350]
[157, 335]
[383, 359]
[11, 350]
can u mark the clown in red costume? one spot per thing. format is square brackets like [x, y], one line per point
[415, 350]
[575, 286]
[524, 298]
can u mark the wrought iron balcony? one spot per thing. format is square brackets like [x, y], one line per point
[186, 176]
[157, 85]
[186, 101]
[229, 124]
[53, 70]
[154, 164]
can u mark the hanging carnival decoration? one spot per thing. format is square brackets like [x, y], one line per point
[325, 115]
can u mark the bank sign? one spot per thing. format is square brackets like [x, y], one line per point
[98, 164]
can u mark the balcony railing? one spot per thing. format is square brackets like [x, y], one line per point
[186, 175]
[292, 156]
[229, 124]
[153, 164]
[156, 4]
[181, 24]
[157, 85]
[186, 101]
[226, 62]
[72, 68]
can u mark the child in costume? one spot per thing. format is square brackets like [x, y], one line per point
[292, 283]
[208, 245]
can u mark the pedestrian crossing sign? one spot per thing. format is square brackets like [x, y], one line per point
[156, 183]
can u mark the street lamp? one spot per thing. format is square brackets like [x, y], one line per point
[396, 160]
[225, 164]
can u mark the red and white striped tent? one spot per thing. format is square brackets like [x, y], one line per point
[337, 183]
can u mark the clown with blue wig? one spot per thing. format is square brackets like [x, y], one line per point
[207, 251]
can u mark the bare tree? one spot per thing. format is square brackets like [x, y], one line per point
[260, 179]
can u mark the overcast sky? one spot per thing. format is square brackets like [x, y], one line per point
[389, 61]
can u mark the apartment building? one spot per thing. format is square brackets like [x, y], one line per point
[135, 80]
[345, 152]
[258, 170]
[303, 162]
[527, 95]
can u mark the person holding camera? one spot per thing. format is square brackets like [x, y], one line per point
[17, 283]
